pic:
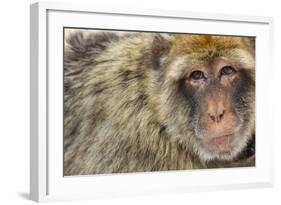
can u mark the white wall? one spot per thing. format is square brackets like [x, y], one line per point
[14, 101]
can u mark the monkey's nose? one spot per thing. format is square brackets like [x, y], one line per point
[216, 116]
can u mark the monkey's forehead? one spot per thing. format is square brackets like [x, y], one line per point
[186, 44]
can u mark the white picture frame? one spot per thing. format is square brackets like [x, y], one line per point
[46, 45]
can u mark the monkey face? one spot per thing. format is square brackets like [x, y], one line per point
[216, 93]
[217, 119]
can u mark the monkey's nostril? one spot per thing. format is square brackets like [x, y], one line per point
[221, 115]
[212, 117]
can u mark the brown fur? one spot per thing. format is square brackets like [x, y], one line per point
[123, 109]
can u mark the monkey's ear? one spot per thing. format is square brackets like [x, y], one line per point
[160, 47]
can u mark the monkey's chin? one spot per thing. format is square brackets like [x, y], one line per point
[220, 144]
[219, 147]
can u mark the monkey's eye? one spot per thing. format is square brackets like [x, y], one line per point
[197, 75]
[227, 70]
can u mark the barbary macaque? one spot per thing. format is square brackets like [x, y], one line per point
[141, 102]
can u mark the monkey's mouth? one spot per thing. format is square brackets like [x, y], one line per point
[221, 143]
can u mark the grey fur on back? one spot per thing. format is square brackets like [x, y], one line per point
[106, 122]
